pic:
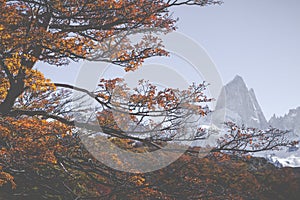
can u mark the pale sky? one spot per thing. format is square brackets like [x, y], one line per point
[256, 39]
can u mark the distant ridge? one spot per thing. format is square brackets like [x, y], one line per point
[290, 121]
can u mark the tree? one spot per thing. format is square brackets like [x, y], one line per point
[39, 142]
[57, 32]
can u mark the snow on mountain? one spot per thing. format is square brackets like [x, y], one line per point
[238, 104]
[288, 157]
[284, 161]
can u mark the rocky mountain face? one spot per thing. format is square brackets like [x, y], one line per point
[290, 121]
[239, 104]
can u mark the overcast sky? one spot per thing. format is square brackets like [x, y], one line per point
[256, 39]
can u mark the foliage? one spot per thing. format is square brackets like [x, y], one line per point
[41, 149]
[190, 177]
[34, 119]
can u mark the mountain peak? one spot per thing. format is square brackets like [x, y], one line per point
[241, 104]
[237, 82]
[238, 78]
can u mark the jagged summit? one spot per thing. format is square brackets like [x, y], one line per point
[238, 78]
[240, 104]
[234, 89]
[290, 121]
